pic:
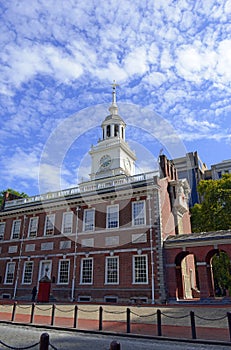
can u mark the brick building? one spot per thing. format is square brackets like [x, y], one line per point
[101, 241]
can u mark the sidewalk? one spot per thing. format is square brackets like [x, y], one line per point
[211, 321]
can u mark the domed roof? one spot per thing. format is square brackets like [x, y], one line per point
[113, 117]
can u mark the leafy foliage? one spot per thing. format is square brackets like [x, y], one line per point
[214, 213]
[221, 273]
[10, 190]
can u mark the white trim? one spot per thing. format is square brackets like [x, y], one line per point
[67, 213]
[12, 228]
[202, 263]
[23, 275]
[117, 212]
[3, 224]
[84, 217]
[6, 273]
[106, 270]
[144, 213]
[81, 272]
[68, 273]
[133, 268]
[111, 297]
[29, 228]
[45, 224]
[43, 262]
[84, 297]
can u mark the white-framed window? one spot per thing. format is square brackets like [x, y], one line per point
[86, 276]
[2, 230]
[67, 222]
[33, 227]
[111, 299]
[138, 213]
[112, 270]
[84, 298]
[113, 216]
[64, 267]
[45, 269]
[89, 220]
[49, 224]
[27, 272]
[9, 275]
[15, 233]
[140, 269]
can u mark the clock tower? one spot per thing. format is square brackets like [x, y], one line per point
[112, 155]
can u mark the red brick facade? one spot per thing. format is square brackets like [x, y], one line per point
[118, 259]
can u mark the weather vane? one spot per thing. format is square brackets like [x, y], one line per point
[114, 85]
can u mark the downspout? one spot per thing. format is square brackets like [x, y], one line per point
[74, 265]
[20, 256]
[151, 250]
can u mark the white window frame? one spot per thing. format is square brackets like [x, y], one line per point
[89, 226]
[13, 229]
[134, 268]
[33, 233]
[51, 218]
[42, 270]
[29, 273]
[82, 274]
[68, 271]
[141, 215]
[67, 227]
[108, 258]
[7, 272]
[2, 230]
[109, 214]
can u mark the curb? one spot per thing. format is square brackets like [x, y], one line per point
[122, 335]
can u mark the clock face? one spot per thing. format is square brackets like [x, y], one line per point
[105, 161]
[127, 164]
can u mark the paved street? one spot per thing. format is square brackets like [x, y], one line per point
[22, 336]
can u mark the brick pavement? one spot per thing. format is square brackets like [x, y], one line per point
[211, 321]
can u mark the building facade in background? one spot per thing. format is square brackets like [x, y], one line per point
[193, 169]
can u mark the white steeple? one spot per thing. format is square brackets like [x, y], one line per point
[112, 156]
[113, 125]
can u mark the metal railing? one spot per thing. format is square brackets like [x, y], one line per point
[155, 317]
[84, 188]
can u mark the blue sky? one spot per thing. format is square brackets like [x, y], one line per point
[58, 59]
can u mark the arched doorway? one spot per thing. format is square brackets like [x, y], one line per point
[221, 273]
[186, 276]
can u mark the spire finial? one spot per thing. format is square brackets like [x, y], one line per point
[114, 85]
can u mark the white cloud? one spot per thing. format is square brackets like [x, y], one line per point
[59, 57]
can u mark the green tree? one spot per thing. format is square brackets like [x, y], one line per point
[214, 213]
[221, 272]
[10, 190]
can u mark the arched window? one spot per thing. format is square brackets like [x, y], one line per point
[108, 131]
[116, 130]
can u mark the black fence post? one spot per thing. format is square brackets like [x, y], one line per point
[75, 316]
[159, 327]
[53, 315]
[229, 323]
[128, 320]
[44, 341]
[13, 311]
[32, 313]
[100, 318]
[114, 345]
[193, 325]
